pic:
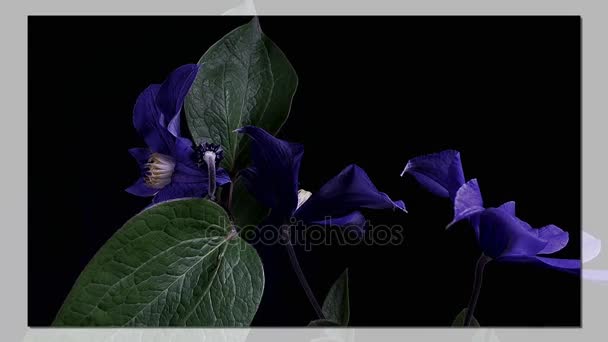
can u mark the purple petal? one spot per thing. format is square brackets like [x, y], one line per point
[147, 120]
[181, 190]
[508, 207]
[185, 174]
[349, 191]
[440, 173]
[141, 155]
[354, 218]
[139, 188]
[171, 95]
[591, 247]
[556, 238]
[183, 152]
[561, 263]
[599, 276]
[502, 234]
[273, 179]
[468, 202]
[222, 177]
[354, 221]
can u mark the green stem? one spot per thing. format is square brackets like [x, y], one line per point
[295, 264]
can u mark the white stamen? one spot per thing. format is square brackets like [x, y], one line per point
[303, 196]
[209, 158]
[159, 170]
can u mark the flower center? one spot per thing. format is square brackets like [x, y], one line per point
[303, 196]
[158, 170]
[207, 152]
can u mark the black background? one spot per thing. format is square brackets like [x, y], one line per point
[376, 91]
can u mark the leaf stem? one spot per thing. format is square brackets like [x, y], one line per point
[295, 264]
[481, 263]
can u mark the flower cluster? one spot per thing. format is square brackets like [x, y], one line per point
[173, 167]
[170, 166]
[501, 234]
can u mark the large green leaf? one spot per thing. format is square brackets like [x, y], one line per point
[459, 320]
[336, 307]
[245, 79]
[178, 263]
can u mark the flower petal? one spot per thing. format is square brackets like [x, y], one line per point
[141, 155]
[147, 120]
[222, 177]
[273, 180]
[591, 247]
[509, 207]
[350, 190]
[171, 95]
[185, 174]
[354, 221]
[180, 190]
[502, 234]
[467, 202]
[561, 263]
[139, 188]
[556, 238]
[440, 173]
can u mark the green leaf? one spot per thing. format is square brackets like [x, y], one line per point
[245, 79]
[459, 320]
[178, 263]
[336, 306]
[323, 323]
[246, 210]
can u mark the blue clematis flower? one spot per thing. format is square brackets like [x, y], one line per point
[171, 167]
[273, 180]
[500, 233]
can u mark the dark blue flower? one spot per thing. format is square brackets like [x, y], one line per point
[500, 233]
[273, 180]
[170, 165]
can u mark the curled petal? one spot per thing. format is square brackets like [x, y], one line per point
[564, 265]
[171, 95]
[468, 202]
[501, 234]
[156, 112]
[440, 173]
[349, 191]
[508, 207]
[148, 122]
[354, 221]
[556, 238]
[561, 263]
[273, 179]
